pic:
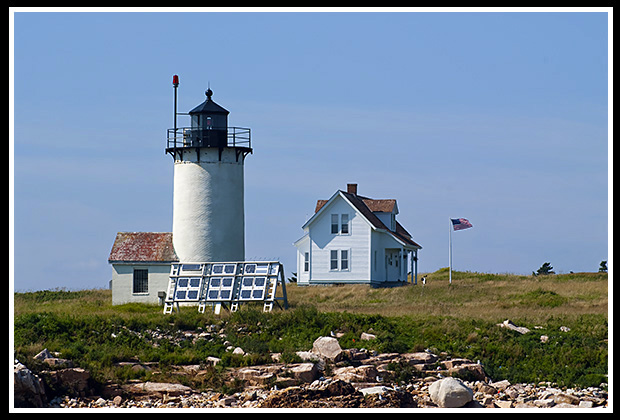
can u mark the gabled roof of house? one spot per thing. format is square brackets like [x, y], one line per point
[367, 206]
[381, 205]
[143, 247]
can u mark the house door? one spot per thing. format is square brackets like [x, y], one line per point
[392, 264]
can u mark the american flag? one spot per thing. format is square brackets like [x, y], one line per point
[460, 224]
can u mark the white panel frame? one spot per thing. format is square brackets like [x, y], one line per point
[219, 284]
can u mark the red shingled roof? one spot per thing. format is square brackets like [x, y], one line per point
[368, 207]
[143, 246]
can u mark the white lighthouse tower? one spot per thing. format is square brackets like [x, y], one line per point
[208, 209]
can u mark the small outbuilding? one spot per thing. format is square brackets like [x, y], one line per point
[141, 266]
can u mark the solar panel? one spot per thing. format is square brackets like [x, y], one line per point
[225, 284]
[187, 288]
[253, 288]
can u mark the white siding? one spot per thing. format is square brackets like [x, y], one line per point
[303, 246]
[356, 242]
[122, 283]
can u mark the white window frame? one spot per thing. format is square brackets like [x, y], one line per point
[342, 260]
[306, 262]
[338, 260]
[343, 224]
[337, 221]
[333, 252]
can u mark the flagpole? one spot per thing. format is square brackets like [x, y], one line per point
[450, 248]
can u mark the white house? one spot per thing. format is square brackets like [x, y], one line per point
[355, 239]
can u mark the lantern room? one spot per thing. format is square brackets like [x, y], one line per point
[209, 129]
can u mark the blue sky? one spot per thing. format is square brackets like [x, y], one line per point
[497, 117]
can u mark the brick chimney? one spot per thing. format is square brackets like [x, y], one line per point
[352, 188]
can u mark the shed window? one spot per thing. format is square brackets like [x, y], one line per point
[140, 280]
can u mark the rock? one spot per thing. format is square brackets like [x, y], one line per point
[500, 385]
[117, 401]
[338, 387]
[367, 336]
[28, 389]
[256, 376]
[363, 373]
[544, 338]
[328, 347]
[509, 324]
[238, 350]
[356, 354]
[158, 389]
[74, 381]
[450, 393]
[544, 403]
[419, 358]
[374, 390]
[566, 399]
[43, 354]
[305, 372]
[470, 371]
[48, 358]
[308, 356]
[213, 360]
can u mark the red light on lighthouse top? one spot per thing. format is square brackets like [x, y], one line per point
[175, 80]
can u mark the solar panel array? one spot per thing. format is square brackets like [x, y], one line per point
[232, 283]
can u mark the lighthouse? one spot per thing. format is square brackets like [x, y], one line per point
[208, 198]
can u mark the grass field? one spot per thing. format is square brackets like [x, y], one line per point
[459, 319]
[490, 297]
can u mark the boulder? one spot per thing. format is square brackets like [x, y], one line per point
[257, 376]
[28, 389]
[328, 347]
[419, 358]
[363, 373]
[305, 372]
[338, 387]
[367, 336]
[468, 371]
[73, 381]
[450, 393]
[157, 389]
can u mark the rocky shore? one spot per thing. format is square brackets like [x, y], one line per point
[328, 377]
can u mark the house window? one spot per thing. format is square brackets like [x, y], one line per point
[140, 280]
[306, 262]
[339, 259]
[333, 260]
[344, 226]
[344, 259]
[340, 224]
[334, 223]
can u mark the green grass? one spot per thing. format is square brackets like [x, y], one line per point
[458, 319]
